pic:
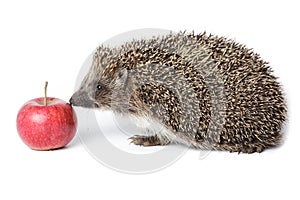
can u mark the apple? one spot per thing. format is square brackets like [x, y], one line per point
[46, 123]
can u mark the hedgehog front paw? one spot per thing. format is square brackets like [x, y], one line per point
[142, 140]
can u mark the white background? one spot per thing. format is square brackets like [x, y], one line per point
[50, 40]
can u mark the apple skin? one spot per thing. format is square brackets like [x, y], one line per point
[46, 127]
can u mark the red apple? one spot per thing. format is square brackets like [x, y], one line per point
[46, 123]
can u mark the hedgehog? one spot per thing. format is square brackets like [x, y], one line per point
[204, 91]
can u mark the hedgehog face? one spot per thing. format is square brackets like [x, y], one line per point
[100, 89]
[87, 93]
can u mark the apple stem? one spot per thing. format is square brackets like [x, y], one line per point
[45, 93]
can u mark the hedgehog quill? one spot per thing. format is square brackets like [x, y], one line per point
[205, 91]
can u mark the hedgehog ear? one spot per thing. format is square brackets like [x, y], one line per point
[122, 77]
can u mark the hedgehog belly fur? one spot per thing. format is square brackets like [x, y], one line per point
[152, 127]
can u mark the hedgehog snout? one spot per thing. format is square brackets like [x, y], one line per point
[71, 101]
[81, 99]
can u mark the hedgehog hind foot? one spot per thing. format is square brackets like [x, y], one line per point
[146, 141]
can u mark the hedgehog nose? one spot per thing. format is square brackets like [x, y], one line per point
[71, 101]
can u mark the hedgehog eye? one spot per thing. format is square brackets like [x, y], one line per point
[99, 87]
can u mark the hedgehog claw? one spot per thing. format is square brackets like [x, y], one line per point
[146, 140]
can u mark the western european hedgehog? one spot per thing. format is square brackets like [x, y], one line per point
[205, 91]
